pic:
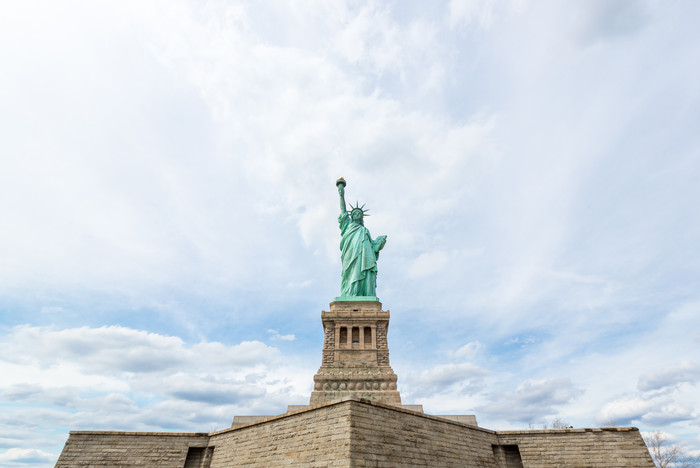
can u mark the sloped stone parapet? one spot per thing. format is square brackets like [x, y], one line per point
[126, 448]
[610, 447]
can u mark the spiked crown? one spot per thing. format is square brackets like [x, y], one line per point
[359, 208]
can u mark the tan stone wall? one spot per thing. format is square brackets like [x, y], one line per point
[354, 433]
[355, 366]
[316, 438]
[128, 449]
[601, 447]
[385, 436]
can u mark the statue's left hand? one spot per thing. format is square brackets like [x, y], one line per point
[380, 242]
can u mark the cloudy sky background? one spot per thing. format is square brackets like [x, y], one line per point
[168, 208]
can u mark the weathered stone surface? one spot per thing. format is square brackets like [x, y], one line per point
[354, 433]
[355, 359]
[121, 449]
[316, 437]
[469, 419]
[388, 436]
[613, 447]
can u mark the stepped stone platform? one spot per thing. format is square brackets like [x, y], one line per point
[355, 432]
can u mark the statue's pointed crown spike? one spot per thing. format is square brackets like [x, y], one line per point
[358, 207]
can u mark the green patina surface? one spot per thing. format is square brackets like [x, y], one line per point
[357, 299]
[359, 252]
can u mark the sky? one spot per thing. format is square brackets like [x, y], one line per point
[169, 211]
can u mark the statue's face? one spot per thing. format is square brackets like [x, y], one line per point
[357, 216]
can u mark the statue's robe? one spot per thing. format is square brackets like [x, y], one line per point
[359, 257]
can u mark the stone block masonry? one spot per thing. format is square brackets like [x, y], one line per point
[128, 449]
[613, 447]
[359, 433]
[355, 358]
[386, 436]
[318, 437]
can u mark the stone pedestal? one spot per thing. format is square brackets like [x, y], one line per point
[355, 354]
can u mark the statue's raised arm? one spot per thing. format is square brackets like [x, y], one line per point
[340, 183]
[359, 253]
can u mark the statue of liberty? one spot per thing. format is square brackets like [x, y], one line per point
[359, 252]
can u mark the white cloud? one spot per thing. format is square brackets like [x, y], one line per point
[114, 349]
[671, 412]
[444, 375]
[624, 410]
[56, 378]
[532, 401]
[276, 336]
[660, 402]
[468, 350]
[665, 435]
[36, 393]
[214, 390]
[147, 365]
[523, 341]
[463, 378]
[685, 372]
[29, 456]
